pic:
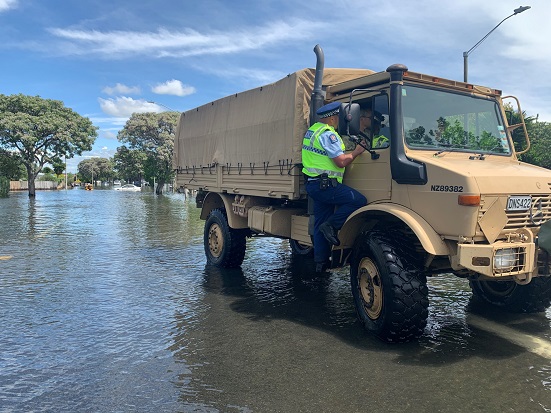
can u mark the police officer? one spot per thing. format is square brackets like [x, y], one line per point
[367, 117]
[324, 162]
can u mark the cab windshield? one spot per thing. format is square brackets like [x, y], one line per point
[446, 121]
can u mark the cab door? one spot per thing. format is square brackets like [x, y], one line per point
[370, 173]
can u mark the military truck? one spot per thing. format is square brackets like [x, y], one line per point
[446, 195]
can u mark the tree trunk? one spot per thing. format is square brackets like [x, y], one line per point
[160, 185]
[30, 182]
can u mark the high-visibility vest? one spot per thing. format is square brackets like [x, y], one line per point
[315, 160]
[379, 140]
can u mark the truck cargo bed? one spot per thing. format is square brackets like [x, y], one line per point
[250, 143]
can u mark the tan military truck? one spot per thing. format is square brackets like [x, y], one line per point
[447, 193]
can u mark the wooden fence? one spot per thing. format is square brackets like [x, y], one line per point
[39, 185]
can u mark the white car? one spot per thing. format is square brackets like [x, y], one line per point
[128, 187]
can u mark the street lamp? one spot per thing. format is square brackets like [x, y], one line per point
[466, 54]
[160, 104]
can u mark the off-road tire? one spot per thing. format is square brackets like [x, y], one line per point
[390, 294]
[298, 248]
[534, 297]
[224, 246]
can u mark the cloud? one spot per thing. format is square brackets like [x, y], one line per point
[8, 4]
[248, 76]
[114, 122]
[173, 87]
[124, 106]
[110, 134]
[185, 43]
[120, 89]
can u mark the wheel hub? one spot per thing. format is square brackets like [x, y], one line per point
[216, 240]
[370, 288]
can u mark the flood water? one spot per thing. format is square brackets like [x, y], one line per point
[107, 305]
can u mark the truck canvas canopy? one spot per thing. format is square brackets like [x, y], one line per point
[261, 125]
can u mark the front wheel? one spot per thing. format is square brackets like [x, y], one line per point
[390, 294]
[224, 246]
[534, 297]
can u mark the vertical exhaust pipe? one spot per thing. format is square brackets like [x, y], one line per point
[316, 102]
[317, 99]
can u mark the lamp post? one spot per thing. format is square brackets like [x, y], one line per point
[164, 106]
[466, 54]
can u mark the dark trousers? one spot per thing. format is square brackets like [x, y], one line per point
[346, 199]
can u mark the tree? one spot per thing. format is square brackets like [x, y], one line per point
[540, 142]
[153, 133]
[95, 169]
[11, 166]
[129, 163]
[58, 166]
[42, 130]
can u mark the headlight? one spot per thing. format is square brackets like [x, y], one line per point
[505, 259]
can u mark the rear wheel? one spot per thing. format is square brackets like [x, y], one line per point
[390, 295]
[224, 246]
[534, 297]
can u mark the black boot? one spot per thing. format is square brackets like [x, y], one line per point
[329, 233]
[321, 267]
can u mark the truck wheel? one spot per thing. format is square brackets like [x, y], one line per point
[224, 246]
[534, 297]
[298, 248]
[390, 294]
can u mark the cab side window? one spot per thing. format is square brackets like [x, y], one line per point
[381, 130]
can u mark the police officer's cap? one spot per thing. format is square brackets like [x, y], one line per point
[329, 110]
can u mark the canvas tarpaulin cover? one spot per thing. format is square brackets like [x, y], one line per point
[260, 126]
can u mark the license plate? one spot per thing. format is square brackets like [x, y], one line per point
[519, 203]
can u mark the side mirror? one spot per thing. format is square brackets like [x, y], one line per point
[349, 119]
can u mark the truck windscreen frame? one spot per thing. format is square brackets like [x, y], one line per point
[446, 121]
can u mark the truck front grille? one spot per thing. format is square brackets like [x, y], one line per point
[534, 217]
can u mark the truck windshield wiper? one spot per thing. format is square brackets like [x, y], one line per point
[450, 149]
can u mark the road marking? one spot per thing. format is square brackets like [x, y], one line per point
[5, 257]
[530, 342]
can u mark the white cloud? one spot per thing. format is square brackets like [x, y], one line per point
[114, 122]
[109, 133]
[166, 43]
[120, 89]
[124, 106]
[173, 87]
[8, 4]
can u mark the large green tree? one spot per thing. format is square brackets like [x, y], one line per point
[153, 133]
[11, 166]
[129, 163]
[41, 131]
[95, 169]
[540, 142]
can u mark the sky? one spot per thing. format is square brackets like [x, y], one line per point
[108, 59]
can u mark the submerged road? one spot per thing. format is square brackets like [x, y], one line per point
[108, 306]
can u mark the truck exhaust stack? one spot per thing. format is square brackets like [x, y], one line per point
[317, 94]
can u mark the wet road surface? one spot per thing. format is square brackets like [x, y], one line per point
[107, 306]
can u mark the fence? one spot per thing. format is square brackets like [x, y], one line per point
[39, 185]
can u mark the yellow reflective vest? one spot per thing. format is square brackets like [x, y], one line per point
[315, 160]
